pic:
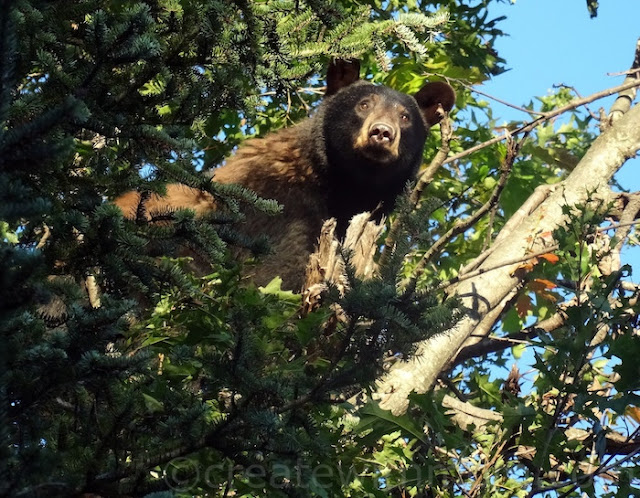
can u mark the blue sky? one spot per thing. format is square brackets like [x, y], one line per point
[555, 41]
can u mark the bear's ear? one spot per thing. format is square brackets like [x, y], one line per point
[430, 96]
[341, 73]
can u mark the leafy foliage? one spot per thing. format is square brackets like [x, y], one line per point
[99, 98]
[122, 373]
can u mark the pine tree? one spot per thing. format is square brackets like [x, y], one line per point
[114, 359]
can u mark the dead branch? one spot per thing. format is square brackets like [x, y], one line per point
[327, 263]
[575, 90]
[93, 291]
[426, 177]
[626, 97]
[500, 101]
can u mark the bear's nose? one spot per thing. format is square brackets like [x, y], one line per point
[380, 132]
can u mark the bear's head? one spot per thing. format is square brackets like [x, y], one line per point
[373, 136]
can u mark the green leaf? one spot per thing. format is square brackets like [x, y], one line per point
[152, 404]
[372, 415]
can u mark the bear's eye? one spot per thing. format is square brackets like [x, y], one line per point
[404, 117]
[364, 105]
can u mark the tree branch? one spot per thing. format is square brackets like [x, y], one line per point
[625, 97]
[481, 294]
[463, 225]
[526, 127]
[423, 181]
[494, 344]
[496, 99]
[466, 415]
[530, 205]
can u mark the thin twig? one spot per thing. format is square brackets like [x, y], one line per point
[480, 271]
[475, 489]
[546, 250]
[496, 99]
[574, 90]
[423, 181]
[585, 478]
[527, 127]
[493, 344]
[615, 226]
[464, 225]
[623, 73]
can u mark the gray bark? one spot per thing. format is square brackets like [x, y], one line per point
[483, 294]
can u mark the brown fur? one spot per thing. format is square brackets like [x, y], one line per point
[363, 138]
[277, 167]
[356, 154]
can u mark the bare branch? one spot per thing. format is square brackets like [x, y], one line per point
[526, 127]
[625, 97]
[484, 292]
[501, 264]
[530, 205]
[466, 415]
[623, 73]
[423, 181]
[575, 90]
[494, 344]
[626, 224]
[463, 225]
[496, 99]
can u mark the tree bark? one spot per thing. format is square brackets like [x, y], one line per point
[481, 294]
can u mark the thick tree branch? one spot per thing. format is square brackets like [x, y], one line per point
[483, 293]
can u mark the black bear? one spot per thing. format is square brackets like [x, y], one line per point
[355, 154]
